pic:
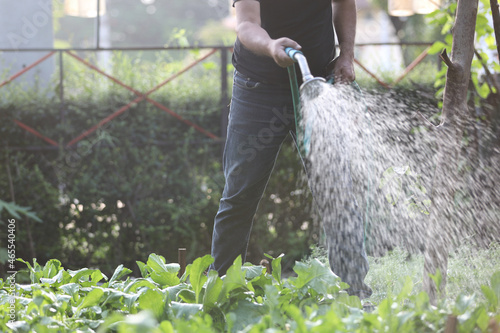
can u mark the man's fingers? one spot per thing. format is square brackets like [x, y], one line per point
[279, 54]
[287, 42]
[344, 75]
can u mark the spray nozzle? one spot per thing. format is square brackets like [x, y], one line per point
[299, 57]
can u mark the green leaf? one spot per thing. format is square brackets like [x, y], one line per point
[252, 271]
[187, 295]
[163, 274]
[165, 279]
[212, 290]
[276, 268]
[403, 317]
[483, 320]
[143, 268]
[294, 312]
[197, 276]
[234, 279]
[51, 268]
[437, 47]
[495, 284]
[35, 271]
[70, 289]
[57, 279]
[449, 40]
[92, 298]
[152, 300]
[350, 301]
[248, 313]
[437, 278]
[484, 90]
[97, 276]
[462, 303]
[174, 290]
[185, 311]
[166, 327]
[157, 264]
[384, 308]
[143, 321]
[81, 273]
[406, 290]
[317, 276]
[119, 272]
[14, 210]
[138, 283]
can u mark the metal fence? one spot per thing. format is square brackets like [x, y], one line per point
[209, 51]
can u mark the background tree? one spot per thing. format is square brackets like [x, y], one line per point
[449, 135]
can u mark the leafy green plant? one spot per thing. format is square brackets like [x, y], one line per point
[246, 299]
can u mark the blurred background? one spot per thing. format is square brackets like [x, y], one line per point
[112, 123]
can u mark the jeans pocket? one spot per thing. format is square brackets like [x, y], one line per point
[245, 82]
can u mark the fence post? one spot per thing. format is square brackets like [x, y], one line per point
[61, 86]
[182, 261]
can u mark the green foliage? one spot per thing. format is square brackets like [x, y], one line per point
[15, 210]
[469, 270]
[247, 299]
[484, 39]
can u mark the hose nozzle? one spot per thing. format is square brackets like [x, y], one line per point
[307, 78]
[299, 57]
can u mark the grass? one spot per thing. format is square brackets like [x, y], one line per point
[468, 269]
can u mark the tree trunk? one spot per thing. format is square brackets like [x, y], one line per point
[495, 12]
[449, 135]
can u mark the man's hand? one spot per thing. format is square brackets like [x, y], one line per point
[277, 50]
[344, 21]
[342, 69]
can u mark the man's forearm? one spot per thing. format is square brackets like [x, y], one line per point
[344, 21]
[254, 38]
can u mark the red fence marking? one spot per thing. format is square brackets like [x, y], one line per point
[176, 115]
[406, 71]
[411, 66]
[142, 97]
[382, 83]
[24, 70]
[33, 131]
[104, 121]
[15, 76]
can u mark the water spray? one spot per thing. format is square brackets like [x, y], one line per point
[311, 88]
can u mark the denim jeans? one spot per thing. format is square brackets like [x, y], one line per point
[260, 118]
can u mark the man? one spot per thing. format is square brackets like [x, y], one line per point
[261, 116]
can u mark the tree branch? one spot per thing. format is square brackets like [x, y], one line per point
[446, 59]
[490, 79]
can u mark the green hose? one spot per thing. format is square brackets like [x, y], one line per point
[296, 109]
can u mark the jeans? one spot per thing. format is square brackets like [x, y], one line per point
[261, 116]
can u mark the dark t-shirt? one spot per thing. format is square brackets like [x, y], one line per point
[308, 22]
